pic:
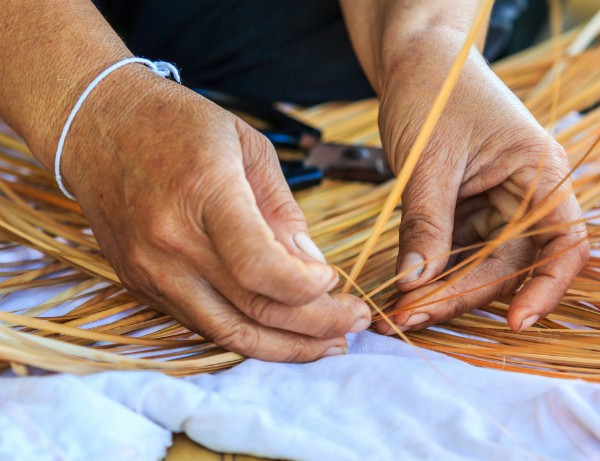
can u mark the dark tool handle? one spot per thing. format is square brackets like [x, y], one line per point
[297, 133]
[282, 139]
[298, 176]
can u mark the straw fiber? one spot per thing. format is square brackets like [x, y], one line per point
[87, 322]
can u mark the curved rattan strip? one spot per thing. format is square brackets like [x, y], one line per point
[127, 335]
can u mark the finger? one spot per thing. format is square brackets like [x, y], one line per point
[565, 254]
[247, 245]
[542, 294]
[274, 197]
[428, 206]
[565, 250]
[198, 306]
[329, 316]
[465, 294]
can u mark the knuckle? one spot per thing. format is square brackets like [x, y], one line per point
[257, 307]
[510, 285]
[163, 232]
[331, 329]
[215, 205]
[335, 320]
[581, 246]
[555, 269]
[458, 304]
[450, 302]
[266, 312]
[233, 335]
[551, 157]
[559, 152]
[516, 254]
[573, 254]
[250, 135]
[299, 351]
[281, 206]
[518, 260]
[420, 224]
[259, 151]
[528, 148]
[139, 273]
[554, 171]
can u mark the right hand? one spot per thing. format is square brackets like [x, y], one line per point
[189, 205]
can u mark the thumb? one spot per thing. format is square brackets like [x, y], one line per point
[428, 206]
[274, 197]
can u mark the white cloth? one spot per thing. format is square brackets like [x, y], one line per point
[381, 402]
[62, 418]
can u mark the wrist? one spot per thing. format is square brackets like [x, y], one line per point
[381, 29]
[423, 59]
[98, 132]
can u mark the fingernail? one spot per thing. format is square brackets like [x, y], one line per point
[528, 321]
[410, 260]
[335, 350]
[417, 319]
[360, 325]
[309, 248]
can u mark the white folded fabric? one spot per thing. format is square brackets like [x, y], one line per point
[62, 418]
[381, 402]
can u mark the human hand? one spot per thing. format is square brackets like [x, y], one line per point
[484, 154]
[189, 205]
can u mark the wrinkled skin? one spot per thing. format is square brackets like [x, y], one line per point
[194, 214]
[484, 154]
[190, 207]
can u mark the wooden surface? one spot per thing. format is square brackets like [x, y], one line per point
[578, 11]
[184, 449]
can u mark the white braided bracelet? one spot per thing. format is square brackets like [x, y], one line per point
[162, 68]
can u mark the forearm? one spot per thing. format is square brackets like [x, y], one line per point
[385, 33]
[49, 52]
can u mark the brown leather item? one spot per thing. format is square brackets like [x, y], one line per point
[350, 162]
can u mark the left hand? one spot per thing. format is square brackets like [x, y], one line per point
[485, 153]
